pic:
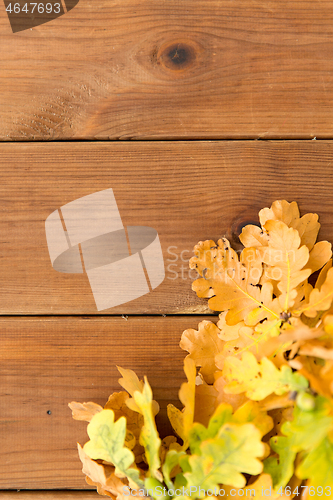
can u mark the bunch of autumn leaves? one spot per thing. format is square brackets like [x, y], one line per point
[258, 397]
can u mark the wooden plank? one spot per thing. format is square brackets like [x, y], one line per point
[186, 191]
[49, 495]
[162, 70]
[47, 362]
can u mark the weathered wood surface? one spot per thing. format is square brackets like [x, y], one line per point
[187, 191]
[48, 362]
[49, 495]
[154, 70]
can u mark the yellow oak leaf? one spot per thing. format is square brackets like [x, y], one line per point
[323, 274]
[233, 281]
[319, 256]
[292, 337]
[205, 402]
[328, 323]
[319, 300]
[234, 400]
[253, 413]
[182, 421]
[235, 348]
[117, 403]
[302, 297]
[280, 210]
[231, 332]
[203, 345]
[257, 341]
[326, 375]
[253, 236]
[205, 253]
[267, 303]
[286, 260]
[274, 402]
[131, 383]
[318, 349]
[306, 226]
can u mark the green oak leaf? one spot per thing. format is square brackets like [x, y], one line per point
[234, 450]
[259, 379]
[107, 439]
[149, 438]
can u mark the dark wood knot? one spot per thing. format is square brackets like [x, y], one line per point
[236, 228]
[177, 56]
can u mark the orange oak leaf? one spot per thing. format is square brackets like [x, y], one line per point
[84, 411]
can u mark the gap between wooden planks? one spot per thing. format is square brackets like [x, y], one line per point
[186, 191]
[194, 69]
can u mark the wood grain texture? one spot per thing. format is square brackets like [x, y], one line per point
[48, 362]
[49, 495]
[166, 70]
[187, 191]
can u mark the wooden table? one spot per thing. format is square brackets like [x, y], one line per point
[197, 113]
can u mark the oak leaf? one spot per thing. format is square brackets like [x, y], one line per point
[253, 236]
[234, 450]
[231, 332]
[281, 469]
[131, 383]
[182, 421]
[107, 442]
[205, 401]
[167, 443]
[84, 411]
[170, 464]
[281, 210]
[286, 260]
[234, 281]
[252, 413]
[203, 345]
[306, 226]
[309, 433]
[319, 256]
[259, 379]
[102, 477]
[323, 274]
[117, 403]
[320, 299]
[149, 438]
[317, 466]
